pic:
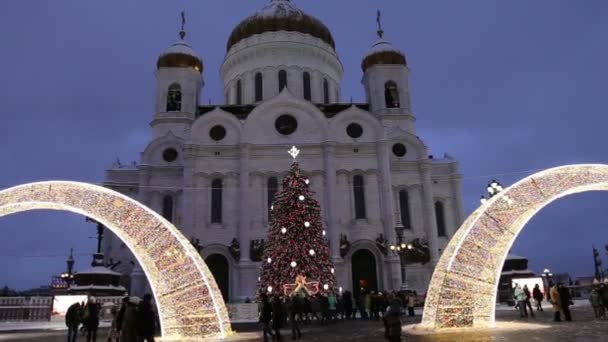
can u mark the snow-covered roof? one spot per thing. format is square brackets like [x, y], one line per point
[180, 47]
[97, 287]
[99, 270]
[517, 272]
[382, 45]
[515, 257]
[279, 8]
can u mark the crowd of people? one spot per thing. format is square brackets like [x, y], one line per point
[134, 321]
[599, 300]
[276, 311]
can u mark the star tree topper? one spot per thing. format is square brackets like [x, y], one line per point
[294, 152]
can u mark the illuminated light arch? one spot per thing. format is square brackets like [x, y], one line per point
[189, 302]
[462, 292]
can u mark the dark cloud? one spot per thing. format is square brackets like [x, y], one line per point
[502, 86]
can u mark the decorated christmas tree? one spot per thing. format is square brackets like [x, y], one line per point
[296, 254]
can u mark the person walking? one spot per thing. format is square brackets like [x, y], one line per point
[333, 305]
[146, 319]
[565, 301]
[556, 302]
[266, 317]
[528, 298]
[596, 303]
[538, 297]
[347, 303]
[128, 323]
[393, 320]
[72, 321]
[277, 317]
[295, 315]
[90, 319]
[113, 334]
[520, 297]
[411, 304]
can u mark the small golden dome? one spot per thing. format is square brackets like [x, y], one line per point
[382, 52]
[180, 55]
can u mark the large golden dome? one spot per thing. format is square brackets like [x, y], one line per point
[180, 55]
[280, 15]
[383, 52]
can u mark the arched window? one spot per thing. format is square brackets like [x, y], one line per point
[325, 91]
[282, 79]
[168, 208]
[391, 95]
[259, 87]
[273, 188]
[239, 92]
[306, 84]
[216, 201]
[359, 192]
[404, 208]
[440, 217]
[174, 98]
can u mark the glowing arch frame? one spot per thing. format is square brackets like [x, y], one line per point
[462, 292]
[189, 302]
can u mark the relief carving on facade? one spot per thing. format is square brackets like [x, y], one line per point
[257, 250]
[235, 249]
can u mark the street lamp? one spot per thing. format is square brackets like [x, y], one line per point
[494, 188]
[401, 248]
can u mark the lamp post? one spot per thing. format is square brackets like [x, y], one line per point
[401, 248]
[494, 188]
[547, 276]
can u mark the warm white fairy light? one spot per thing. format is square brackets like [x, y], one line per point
[269, 289]
[190, 305]
[324, 233]
[272, 207]
[306, 181]
[472, 261]
[293, 264]
[332, 270]
[306, 224]
[326, 287]
[269, 260]
[311, 252]
[283, 230]
[301, 197]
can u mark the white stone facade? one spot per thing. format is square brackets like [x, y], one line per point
[253, 150]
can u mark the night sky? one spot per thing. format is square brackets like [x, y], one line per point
[506, 87]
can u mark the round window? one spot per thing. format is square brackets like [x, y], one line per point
[170, 154]
[354, 130]
[286, 124]
[399, 150]
[217, 132]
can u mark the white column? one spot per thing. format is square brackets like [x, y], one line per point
[330, 198]
[458, 207]
[188, 194]
[372, 198]
[244, 218]
[428, 209]
[385, 188]
[230, 204]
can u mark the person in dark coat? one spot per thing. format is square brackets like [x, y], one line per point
[146, 319]
[90, 319]
[277, 317]
[528, 298]
[295, 314]
[393, 320]
[347, 303]
[128, 331]
[72, 321]
[266, 316]
[565, 300]
[538, 297]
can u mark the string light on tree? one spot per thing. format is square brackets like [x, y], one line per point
[269, 260]
[303, 253]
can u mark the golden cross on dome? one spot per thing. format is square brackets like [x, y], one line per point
[294, 152]
[378, 20]
[182, 33]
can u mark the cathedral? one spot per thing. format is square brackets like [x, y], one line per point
[388, 207]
